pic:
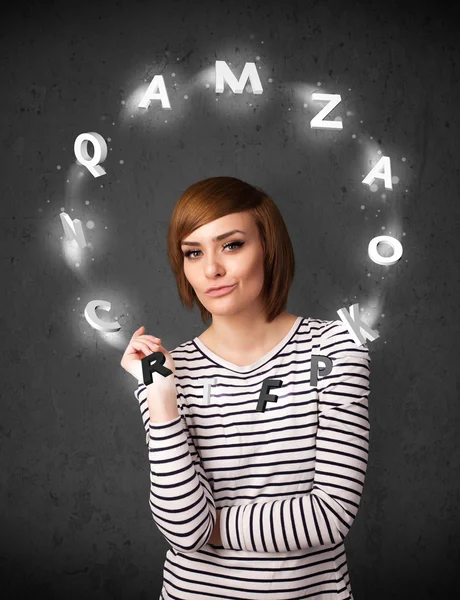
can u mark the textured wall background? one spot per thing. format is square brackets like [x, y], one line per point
[75, 520]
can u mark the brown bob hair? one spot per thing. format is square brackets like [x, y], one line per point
[216, 197]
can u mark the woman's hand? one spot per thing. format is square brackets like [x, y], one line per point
[215, 538]
[140, 346]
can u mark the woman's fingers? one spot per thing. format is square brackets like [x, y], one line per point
[145, 343]
[140, 345]
[150, 338]
[153, 338]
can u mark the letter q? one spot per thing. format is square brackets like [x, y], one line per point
[100, 152]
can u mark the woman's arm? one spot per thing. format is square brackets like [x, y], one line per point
[324, 515]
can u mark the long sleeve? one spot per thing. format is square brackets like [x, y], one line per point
[181, 500]
[324, 515]
[141, 397]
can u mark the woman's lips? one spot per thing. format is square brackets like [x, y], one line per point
[222, 291]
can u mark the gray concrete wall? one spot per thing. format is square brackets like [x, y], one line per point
[74, 514]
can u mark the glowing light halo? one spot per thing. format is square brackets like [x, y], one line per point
[156, 90]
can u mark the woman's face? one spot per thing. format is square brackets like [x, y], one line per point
[236, 259]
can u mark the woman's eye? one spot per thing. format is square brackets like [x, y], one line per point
[190, 252]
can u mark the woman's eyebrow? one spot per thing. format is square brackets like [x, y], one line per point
[215, 239]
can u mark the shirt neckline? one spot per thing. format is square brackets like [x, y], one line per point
[244, 369]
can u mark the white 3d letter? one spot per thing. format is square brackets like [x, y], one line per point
[151, 93]
[385, 260]
[249, 72]
[317, 122]
[73, 229]
[80, 148]
[349, 320]
[385, 164]
[93, 319]
[207, 384]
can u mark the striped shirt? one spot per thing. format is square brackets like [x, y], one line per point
[287, 479]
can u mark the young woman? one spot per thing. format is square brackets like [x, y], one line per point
[257, 461]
